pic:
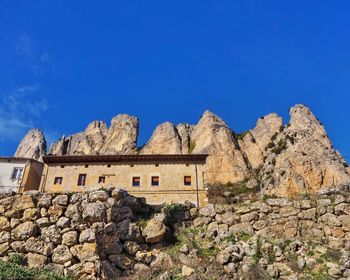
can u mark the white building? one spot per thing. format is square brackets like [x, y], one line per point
[19, 174]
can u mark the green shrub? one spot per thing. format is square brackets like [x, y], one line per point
[171, 208]
[240, 136]
[192, 146]
[17, 259]
[282, 145]
[13, 271]
[142, 223]
[270, 145]
[273, 138]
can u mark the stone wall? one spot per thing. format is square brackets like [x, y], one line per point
[82, 235]
[107, 233]
[277, 238]
[314, 218]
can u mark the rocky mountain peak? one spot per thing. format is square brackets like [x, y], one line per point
[122, 135]
[286, 160]
[96, 126]
[301, 118]
[165, 140]
[33, 145]
[97, 138]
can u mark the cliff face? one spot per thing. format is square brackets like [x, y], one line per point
[226, 161]
[33, 145]
[119, 138]
[284, 160]
[301, 158]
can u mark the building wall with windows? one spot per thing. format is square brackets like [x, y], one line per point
[19, 174]
[160, 179]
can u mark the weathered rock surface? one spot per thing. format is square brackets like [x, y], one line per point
[122, 135]
[226, 161]
[289, 160]
[256, 140]
[165, 140]
[301, 158]
[119, 138]
[33, 145]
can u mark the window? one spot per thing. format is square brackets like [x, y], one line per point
[102, 179]
[86, 166]
[17, 173]
[62, 166]
[58, 181]
[187, 180]
[81, 179]
[155, 181]
[157, 164]
[136, 181]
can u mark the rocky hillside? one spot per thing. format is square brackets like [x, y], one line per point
[286, 160]
[108, 234]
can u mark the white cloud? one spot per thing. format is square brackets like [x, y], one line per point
[19, 111]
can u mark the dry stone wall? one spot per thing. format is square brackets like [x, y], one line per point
[307, 238]
[108, 234]
[318, 218]
[96, 235]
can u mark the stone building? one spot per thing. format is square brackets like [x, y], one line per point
[158, 178]
[18, 174]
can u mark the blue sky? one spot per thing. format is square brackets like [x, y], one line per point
[66, 63]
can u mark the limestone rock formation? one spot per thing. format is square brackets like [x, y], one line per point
[226, 161]
[165, 140]
[301, 158]
[256, 140]
[33, 145]
[122, 135]
[119, 138]
[185, 131]
[285, 160]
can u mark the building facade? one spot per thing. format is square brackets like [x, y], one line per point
[19, 174]
[158, 178]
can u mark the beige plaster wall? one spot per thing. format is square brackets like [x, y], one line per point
[171, 179]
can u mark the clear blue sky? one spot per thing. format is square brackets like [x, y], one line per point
[66, 63]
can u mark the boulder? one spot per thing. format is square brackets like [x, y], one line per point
[4, 247]
[4, 236]
[162, 261]
[62, 255]
[24, 231]
[187, 271]
[52, 233]
[121, 261]
[70, 238]
[61, 200]
[22, 203]
[38, 246]
[98, 195]
[36, 260]
[87, 235]
[55, 212]
[4, 224]
[131, 247]
[88, 252]
[94, 212]
[155, 231]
